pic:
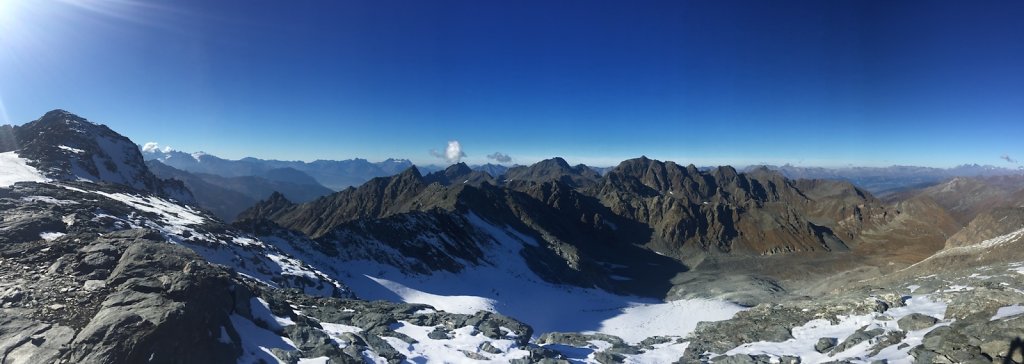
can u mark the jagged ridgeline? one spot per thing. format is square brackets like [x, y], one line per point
[102, 261]
[674, 210]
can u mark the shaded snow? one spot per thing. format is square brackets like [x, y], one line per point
[257, 342]
[261, 313]
[15, 169]
[1008, 311]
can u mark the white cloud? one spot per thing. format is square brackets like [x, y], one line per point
[150, 147]
[154, 147]
[452, 154]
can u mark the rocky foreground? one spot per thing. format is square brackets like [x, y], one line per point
[85, 281]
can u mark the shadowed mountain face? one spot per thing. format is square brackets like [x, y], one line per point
[693, 212]
[642, 205]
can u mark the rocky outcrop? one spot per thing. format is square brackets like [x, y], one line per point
[124, 297]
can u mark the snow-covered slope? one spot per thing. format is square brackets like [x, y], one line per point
[502, 282]
[14, 169]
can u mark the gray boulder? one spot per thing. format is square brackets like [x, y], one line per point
[916, 321]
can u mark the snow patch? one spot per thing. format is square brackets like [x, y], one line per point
[14, 169]
[1008, 311]
[50, 236]
[450, 350]
[257, 342]
[807, 335]
[70, 149]
[674, 318]
[49, 200]
[452, 303]
[261, 312]
[662, 353]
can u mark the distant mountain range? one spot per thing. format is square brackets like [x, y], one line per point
[882, 181]
[228, 196]
[331, 173]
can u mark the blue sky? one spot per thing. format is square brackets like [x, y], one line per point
[829, 83]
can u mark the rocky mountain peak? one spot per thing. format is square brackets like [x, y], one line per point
[459, 173]
[267, 208]
[458, 168]
[411, 174]
[554, 169]
[64, 146]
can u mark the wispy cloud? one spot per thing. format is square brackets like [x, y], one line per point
[1007, 158]
[500, 157]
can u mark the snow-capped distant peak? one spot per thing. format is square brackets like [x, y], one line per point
[198, 155]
